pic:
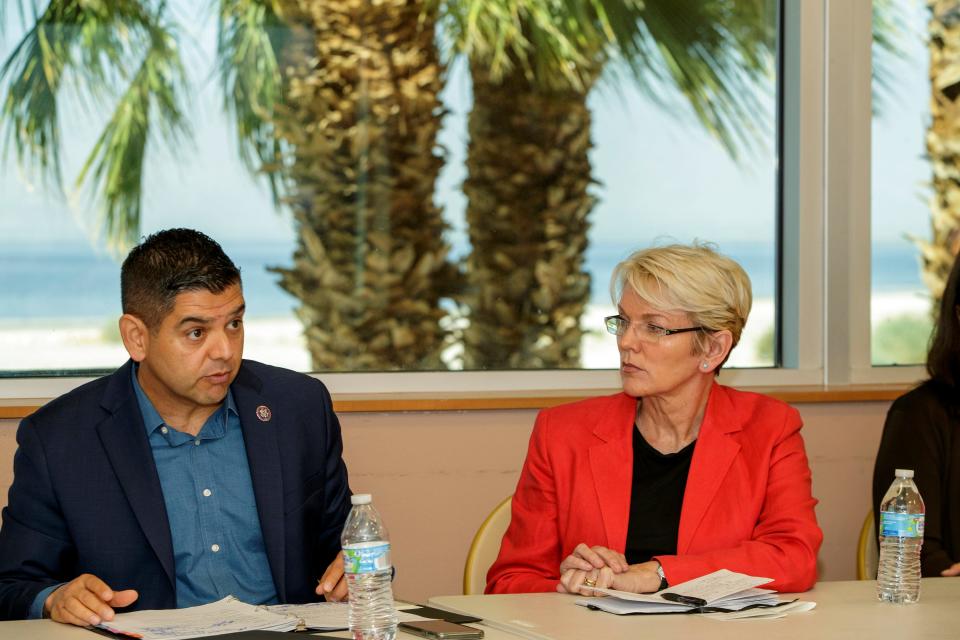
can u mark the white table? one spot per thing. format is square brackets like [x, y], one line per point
[48, 630]
[844, 610]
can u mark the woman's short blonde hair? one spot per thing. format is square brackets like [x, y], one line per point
[713, 289]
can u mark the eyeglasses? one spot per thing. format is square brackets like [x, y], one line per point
[618, 326]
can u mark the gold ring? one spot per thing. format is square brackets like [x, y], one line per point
[589, 583]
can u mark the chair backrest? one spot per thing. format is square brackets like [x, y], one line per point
[485, 547]
[868, 550]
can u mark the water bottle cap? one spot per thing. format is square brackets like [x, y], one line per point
[364, 498]
[904, 473]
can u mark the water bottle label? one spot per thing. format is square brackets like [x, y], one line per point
[901, 525]
[366, 557]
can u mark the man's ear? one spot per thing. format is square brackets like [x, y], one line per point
[135, 336]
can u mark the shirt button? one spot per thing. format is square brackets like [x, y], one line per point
[207, 493]
[197, 442]
[215, 548]
[163, 430]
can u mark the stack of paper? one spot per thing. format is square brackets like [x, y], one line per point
[217, 618]
[327, 616]
[720, 591]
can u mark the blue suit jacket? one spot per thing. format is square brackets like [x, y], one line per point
[86, 496]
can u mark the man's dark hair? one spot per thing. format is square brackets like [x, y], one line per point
[943, 360]
[168, 263]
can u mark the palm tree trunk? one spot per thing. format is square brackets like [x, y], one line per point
[360, 119]
[939, 254]
[527, 212]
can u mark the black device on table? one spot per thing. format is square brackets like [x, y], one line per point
[441, 630]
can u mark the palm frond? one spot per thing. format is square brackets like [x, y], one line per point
[32, 74]
[249, 36]
[91, 39]
[551, 47]
[717, 52]
[115, 165]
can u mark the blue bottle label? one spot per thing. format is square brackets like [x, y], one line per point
[366, 557]
[901, 525]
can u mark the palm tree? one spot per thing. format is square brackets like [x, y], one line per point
[939, 253]
[359, 125]
[533, 65]
[334, 100]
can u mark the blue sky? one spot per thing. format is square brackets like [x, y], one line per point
[661, 174]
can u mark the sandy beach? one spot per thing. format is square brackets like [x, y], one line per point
[85, 344]
[55, 345]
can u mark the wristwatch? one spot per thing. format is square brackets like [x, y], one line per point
[663, 578]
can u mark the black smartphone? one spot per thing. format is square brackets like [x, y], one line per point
[441, 630]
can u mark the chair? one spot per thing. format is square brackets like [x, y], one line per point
[868, 550]
[485, 547]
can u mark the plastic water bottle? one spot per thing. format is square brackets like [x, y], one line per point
[366, 564]
[901, 536]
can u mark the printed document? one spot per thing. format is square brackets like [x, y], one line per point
[217, 618]
[720, 591]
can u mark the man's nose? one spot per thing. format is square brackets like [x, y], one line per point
[221, 346]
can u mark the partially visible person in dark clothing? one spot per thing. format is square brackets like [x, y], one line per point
[922, 432]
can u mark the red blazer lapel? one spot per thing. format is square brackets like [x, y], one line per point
[713, 454]
[611, 464]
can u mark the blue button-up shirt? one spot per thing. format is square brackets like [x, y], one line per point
[218, 546]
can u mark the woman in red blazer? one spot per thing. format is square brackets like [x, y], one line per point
[677, 476]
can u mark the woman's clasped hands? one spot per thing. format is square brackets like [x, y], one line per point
[605, 568]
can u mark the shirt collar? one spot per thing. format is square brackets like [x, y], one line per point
[152, 420]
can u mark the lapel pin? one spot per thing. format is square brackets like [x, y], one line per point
[263, 413]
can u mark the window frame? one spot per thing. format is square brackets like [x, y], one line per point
[824, 236]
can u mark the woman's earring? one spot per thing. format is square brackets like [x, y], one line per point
[704, 365]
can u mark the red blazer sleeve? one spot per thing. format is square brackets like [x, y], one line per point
[785, 538]
[530, 553]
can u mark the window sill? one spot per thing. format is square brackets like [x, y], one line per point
[388, 402]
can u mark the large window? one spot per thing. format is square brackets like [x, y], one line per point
[522, 191]
[428, 219]
[904, 193]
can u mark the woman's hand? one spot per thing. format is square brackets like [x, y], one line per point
[586, 558]
[576, 581]
[952, 570]
[640, 578]
[590, 567]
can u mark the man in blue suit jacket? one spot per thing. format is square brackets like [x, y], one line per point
[186, 475]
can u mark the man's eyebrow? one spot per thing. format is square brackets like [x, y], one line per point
[194, 320]
[198, 320]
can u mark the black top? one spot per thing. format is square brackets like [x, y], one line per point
[656, 498]
[921, 433]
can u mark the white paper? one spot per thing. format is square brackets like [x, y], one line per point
[328, 616]
[217, 618]
[766, 613]
[628, 607]
[735, 592]
[716, 585]
[710, 588]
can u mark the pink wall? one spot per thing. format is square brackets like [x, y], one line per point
[435, 475]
